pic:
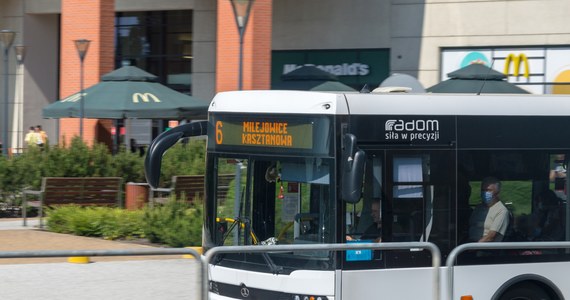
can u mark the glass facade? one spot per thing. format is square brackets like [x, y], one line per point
[159, 42]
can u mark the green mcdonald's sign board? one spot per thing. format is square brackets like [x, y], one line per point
[353, 67]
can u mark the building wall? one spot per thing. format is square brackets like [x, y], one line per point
[204, 49]
[416, 30]
[41, 70]
[150, 5]
[85, 20]
[11, 18]
[331, 24]
[256, 48]
[204, 32]
[487, 23]
[42, 7]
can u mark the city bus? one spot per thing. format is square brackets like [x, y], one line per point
[322, 167]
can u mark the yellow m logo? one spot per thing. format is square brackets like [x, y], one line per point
[145, 97]
[517, 60]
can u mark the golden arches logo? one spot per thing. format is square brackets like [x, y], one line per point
[517, 60]
[145, 97]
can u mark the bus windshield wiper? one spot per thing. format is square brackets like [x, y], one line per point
[242, 224]
[275, 269]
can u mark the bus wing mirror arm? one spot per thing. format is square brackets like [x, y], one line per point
[352, 170]
[163, 142]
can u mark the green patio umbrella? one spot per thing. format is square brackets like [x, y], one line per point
[126, 93]
[474, 79]
[310, 78]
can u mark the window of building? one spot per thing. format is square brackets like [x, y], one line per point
[159, 42]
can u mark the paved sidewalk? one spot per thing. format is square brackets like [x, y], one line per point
[15, 237]
[16, 224]
[141, 280]
[141, 277]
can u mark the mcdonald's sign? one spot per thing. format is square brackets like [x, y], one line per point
[145, 97]
[517, 60]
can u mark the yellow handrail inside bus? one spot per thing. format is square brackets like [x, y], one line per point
[254, 238]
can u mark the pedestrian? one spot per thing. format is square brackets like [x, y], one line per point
[31, 137]
[42, 138]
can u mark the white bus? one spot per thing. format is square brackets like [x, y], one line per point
[309, 165]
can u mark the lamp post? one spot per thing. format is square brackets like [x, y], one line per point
[20, 53]
[82, 47]
[241, 8]
[7, 38]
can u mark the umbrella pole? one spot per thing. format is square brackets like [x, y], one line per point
[115, 137]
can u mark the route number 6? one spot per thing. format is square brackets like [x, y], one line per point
[219, 133]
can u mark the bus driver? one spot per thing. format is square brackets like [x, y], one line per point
[374, 230]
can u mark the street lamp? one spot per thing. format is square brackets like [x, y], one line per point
[20, 53]
[82, 47]
[7, 38]
[241, 9]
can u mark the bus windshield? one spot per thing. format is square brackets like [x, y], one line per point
[261, 201]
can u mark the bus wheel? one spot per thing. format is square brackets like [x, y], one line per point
[526, 291]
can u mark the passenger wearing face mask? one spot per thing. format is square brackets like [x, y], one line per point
[497, 220]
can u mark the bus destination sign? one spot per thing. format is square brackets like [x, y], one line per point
[264, 133]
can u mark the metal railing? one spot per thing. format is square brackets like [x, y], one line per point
[89, 253]
[203, 273]
[435, 253]
[452, 258]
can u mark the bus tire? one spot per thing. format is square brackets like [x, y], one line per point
[526, 291]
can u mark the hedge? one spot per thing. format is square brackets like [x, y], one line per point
[79, 160]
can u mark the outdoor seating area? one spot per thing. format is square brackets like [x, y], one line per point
[85, 191]
[189, 187]
[109, 191]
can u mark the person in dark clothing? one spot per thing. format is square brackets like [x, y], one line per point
[549, 217]
[374, 230]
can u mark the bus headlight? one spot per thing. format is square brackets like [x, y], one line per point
[214, 287]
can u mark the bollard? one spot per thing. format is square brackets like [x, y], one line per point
[78, 259]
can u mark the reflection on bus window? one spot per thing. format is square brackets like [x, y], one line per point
[413, 199]
[276, 202]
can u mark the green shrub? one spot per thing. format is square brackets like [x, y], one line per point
[105, 222]
[79, 160]
[128, 165]
[183, 159]
[176, 223]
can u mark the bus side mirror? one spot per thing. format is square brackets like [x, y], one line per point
[352, 170]
[163, 142]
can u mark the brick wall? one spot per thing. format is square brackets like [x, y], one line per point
[93, 20]
[257, 48]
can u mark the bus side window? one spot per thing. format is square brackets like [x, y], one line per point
[558, 174]
[408, 197]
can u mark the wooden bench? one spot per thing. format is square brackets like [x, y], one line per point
[190, 188]
[85, 191]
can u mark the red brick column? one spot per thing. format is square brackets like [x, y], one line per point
[257, 48]
[93, 20]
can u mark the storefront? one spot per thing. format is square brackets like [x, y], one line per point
[354, 67]
[540, 70]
